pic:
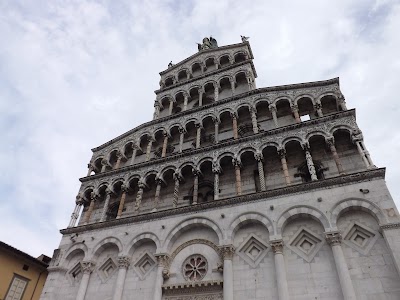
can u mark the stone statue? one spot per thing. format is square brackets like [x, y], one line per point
[170, 64]
[208, 43]
[244, 38]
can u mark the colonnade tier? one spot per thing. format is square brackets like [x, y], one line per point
[196, 86]
[326, 128]
[200, 63]
[261, 105]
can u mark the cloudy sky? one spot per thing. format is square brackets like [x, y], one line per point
[74, 74]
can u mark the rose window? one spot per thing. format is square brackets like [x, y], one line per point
[195, 267]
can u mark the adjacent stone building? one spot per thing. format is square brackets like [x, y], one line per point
[232, 192]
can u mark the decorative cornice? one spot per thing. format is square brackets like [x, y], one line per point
[192, 284]
[224, 144]
[390, 226]
[238, 200]
[219, 103]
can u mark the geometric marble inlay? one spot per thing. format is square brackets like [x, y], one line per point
[107, 270]
[253, 250]
[305, 243]
[75, 274]
[144, 265]
[360, 237]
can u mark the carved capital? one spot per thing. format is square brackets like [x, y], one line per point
[282, 152]
[294, 108]
[277, 246]
[272, 108]
[178, 177]
[258, 156]
[234, 115]
[162, 259]
[87, 267]
[181, 130]
[227, 251]
[236, 163]
[216, 168]
[124, 262]
[79, 200]
[333, 238]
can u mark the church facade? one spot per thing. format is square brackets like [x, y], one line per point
[232, 192]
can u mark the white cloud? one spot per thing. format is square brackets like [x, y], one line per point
[75, 74]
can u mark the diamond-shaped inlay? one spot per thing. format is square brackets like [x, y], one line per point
[360, 237]
[107, 269]
[253, 250]
[305, 243]
[144, 265]
[75, 274]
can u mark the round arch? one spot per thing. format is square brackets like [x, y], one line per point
[299, 211]
[186, 224]
[140, 239]
[103, 244]
[246, 218]
[357, 204]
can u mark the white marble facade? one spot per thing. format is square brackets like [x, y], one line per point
[277, 230]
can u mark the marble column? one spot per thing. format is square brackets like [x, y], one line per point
[119, 158]
[185, 102]
[87, 269]
[253, 113]
[201, 96]
[104, 165]
[177, 180]
[182, 132]
[124, 189]
[238, 179]
[261, 175]
[105, 206]
[171, 106]
[272, 109]
[232, 81]
[342, 102]
[310, 164]
[295, 111]
[156, 110]
[148, 150]
[164, 146]
[134, 153]
[235, 126]
[139, 196]
[282, 155]
[75, 213]
[90, 169]
[280, 270]
[216, 169]
[318, 108]
[227, 253]
[198, 135]
[334, 239]
[88, 214]
[331, 144]
[216, 92]
[216, 130]
[162, 263]
[157, 195]
[123, 265]
[195, 186]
